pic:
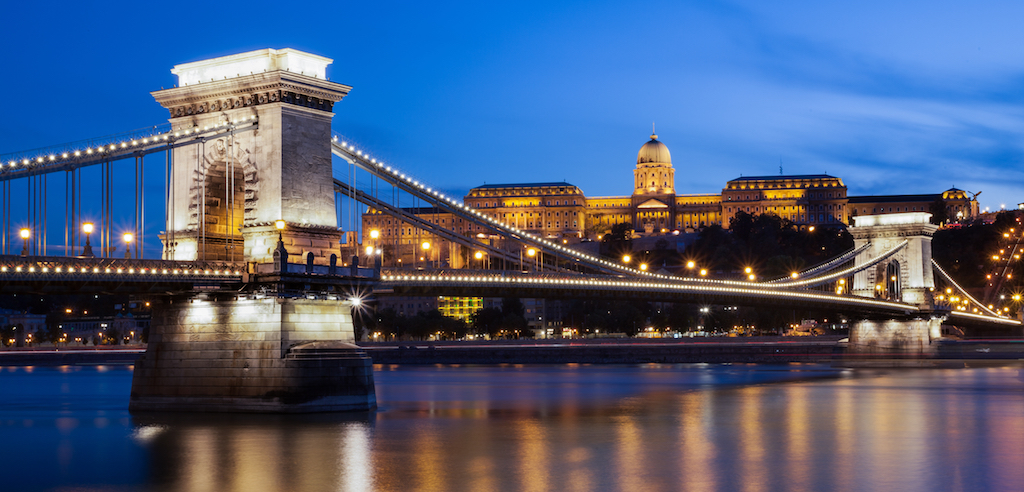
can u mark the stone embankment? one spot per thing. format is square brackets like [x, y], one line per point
[70, 356]
[606, 351]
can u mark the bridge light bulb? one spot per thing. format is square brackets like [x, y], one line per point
[626, 258]
[794, 275]
[747, 270]
[87, 227]
[128, 237]
[369, 251]
[25, 233]
[279, 224]
[374, 234]
[703, 272]
[479, 255]
[643, 267]
[425, 245]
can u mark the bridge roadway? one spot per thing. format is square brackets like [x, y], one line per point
[63, 275]
[490, 283]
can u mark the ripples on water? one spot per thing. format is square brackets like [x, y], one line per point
[536, 428]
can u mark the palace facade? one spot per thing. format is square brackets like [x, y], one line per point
[562, 211]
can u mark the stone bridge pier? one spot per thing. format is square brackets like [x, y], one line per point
[905, 276]
[277, 344]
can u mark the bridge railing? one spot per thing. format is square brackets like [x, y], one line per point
[49, 266]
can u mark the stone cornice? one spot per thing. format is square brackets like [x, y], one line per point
[252, 90]
[872, 232]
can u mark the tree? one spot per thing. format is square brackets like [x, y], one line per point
[7, 332]
[487, 321]
[938, 210]
[619, 241]
[513, 316]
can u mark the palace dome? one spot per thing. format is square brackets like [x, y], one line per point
[653, 151]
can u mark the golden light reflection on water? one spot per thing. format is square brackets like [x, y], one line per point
[549, 430]
[698, 450]
[796, 445]
[752, 457]
[533, 454]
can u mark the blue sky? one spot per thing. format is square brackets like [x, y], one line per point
[893, 97]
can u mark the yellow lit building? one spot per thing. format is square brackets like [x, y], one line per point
[802, 199]
[459, 307]
[959, 206]
[553, 210]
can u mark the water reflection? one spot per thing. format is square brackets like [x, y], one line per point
[536, 428]
[598, 428]
[202, 452]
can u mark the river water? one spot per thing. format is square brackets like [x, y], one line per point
[538, 428]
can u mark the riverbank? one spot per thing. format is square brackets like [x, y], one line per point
[70, 356]
[821, 349]
[606, 351]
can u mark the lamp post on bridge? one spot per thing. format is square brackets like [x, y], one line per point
[128, 237]
[87, 250]
[25, 234]
[280, 253]
[426, 253]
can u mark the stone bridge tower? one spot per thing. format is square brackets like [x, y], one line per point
[258, 350]
[227, 193]
[905, 276]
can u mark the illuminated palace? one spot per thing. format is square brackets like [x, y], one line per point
[561, 211]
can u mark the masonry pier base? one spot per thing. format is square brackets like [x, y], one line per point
[267, 355]
[892, 343]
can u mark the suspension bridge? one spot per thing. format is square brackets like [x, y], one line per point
[262, 207]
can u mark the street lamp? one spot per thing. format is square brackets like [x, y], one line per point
[128, 237]
[426, 252]
[626, 258]
[479, 255]
[87, 250]
[643, 267]
[25, 233]
[280, 253]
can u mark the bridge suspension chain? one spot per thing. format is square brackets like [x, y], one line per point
[346, 151]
